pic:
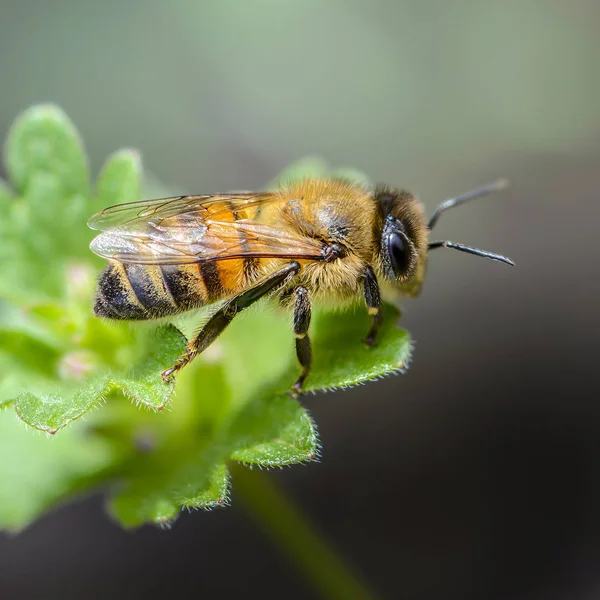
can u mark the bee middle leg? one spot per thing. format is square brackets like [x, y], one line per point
[373, 302]
[219, 321]
[302, 314]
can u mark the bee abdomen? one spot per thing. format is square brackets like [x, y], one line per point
[136, 292]
[186, 286]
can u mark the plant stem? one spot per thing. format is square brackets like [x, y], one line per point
[295, 535]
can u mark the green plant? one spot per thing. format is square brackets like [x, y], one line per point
[159, 447]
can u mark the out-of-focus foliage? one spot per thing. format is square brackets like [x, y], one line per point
[58, 361]
[413, 92]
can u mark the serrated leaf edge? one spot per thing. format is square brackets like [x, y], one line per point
[112, 385]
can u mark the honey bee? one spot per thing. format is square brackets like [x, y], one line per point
[311, 240]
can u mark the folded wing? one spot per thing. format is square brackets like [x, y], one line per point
[191, 229]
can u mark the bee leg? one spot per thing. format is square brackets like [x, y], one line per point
[302, 314]
[373, 301]
[219, 321]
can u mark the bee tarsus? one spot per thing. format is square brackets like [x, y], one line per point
[302, 314]
[373, 302]
[167, 374]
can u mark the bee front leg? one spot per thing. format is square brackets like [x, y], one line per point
[302, 313]
[219, 321]
[373, 302]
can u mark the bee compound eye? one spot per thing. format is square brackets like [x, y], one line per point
[399, 252]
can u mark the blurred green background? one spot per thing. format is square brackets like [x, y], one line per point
[481, 475]
[222, 94]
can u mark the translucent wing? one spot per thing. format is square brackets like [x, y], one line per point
[157, 210]
[190, 229]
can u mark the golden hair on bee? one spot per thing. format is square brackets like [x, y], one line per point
[310, 240]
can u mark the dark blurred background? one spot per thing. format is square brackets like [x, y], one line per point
[476, 474]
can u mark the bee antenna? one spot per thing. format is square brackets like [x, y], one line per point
[484, 190]
[470, 250]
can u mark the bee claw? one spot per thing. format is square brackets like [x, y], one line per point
[167, 375]
[296, 390]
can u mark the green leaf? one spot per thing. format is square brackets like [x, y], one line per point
[51, 412]
[283, 429]
[342, 360]
[311, 166]
[120, 180]
[46, 163]
[149, 500]
[185, 464]
[28, 351]
[143, 386]
[37, 472]
[43, 140]
[353, 175]
[138, 507]
[16, 378]
[215, 494]
[6, 194]
[273, 432]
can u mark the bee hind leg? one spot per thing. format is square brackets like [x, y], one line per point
[183, 360]
[373, 302]
[302, 314]
[219, 321]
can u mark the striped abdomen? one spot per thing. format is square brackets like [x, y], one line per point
[137, 292]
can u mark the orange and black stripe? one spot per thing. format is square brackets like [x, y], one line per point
[224, 277]
[116, 297]
[186, 285]
[251, 264]
[138, 292]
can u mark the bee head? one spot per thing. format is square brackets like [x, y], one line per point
[402, 231]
